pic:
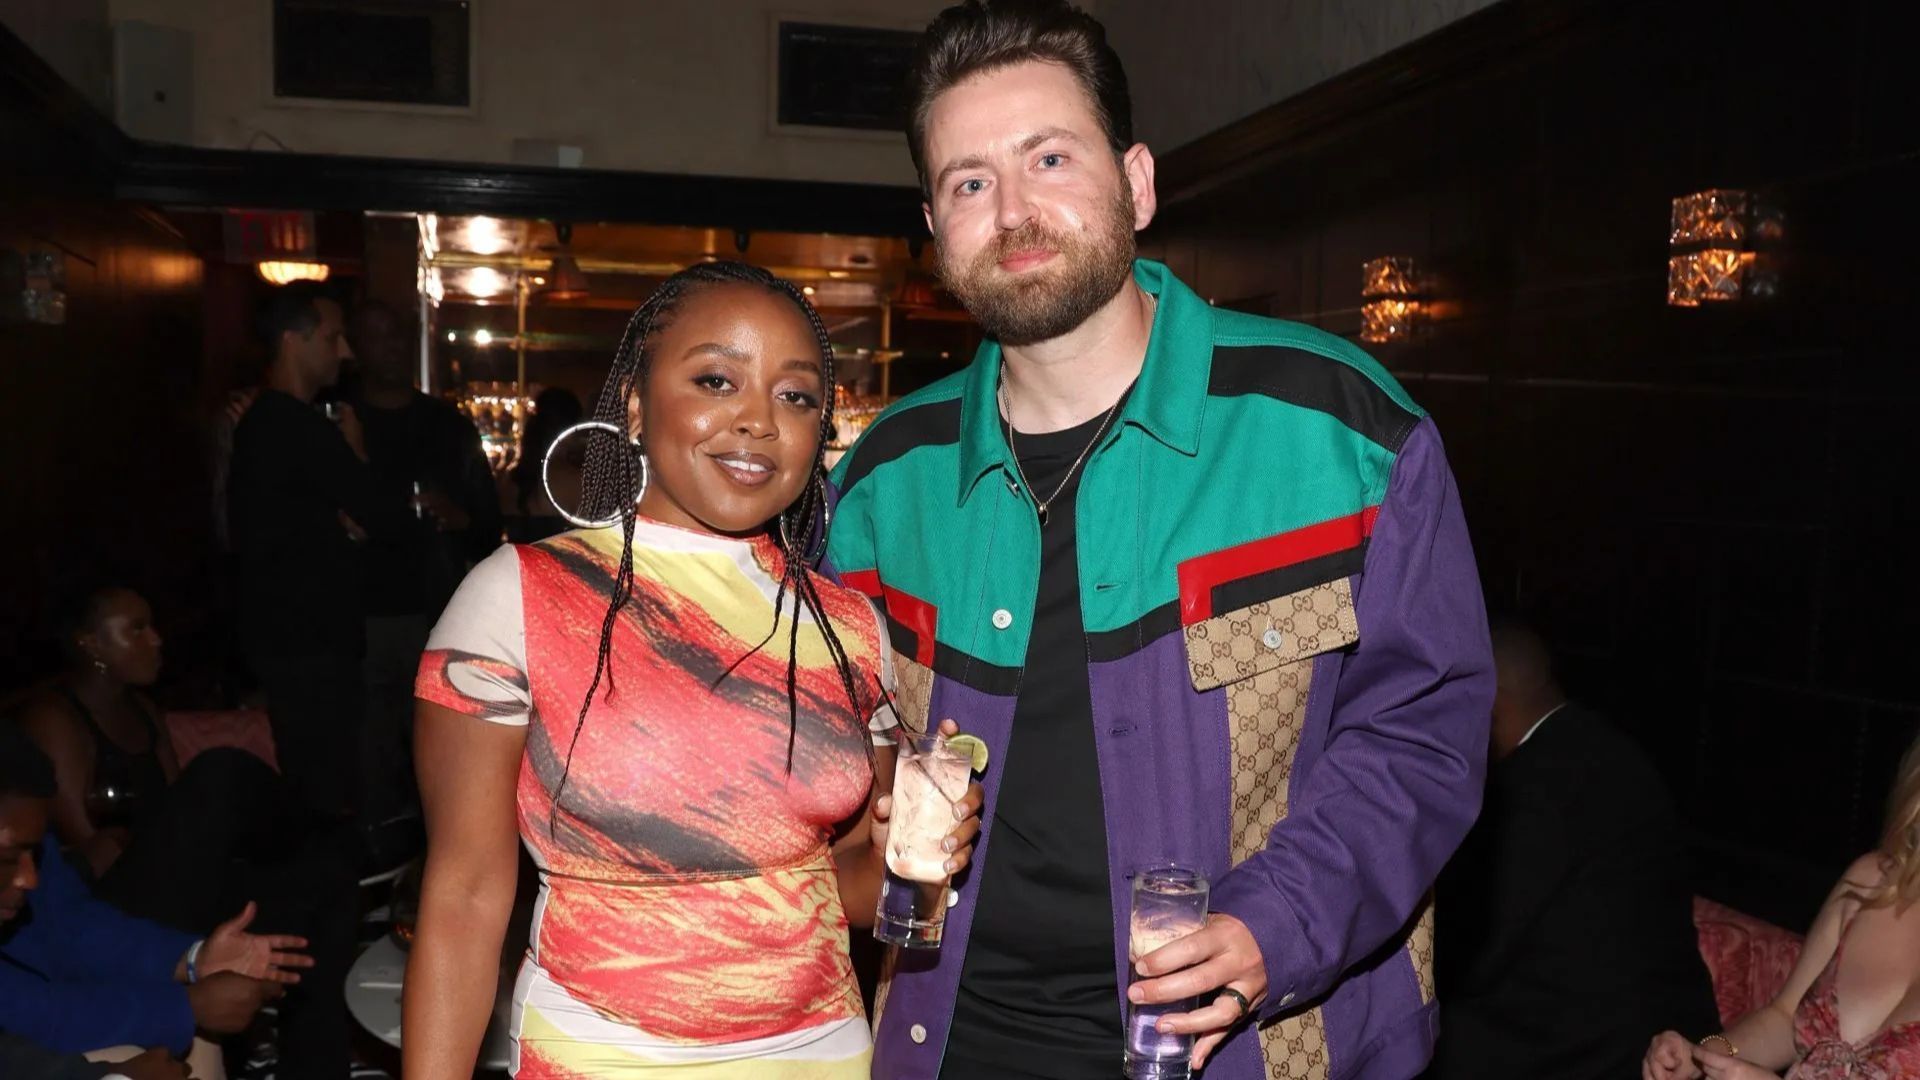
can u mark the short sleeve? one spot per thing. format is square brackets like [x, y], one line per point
[885, 717]
[476, 658]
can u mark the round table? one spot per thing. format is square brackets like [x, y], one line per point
[373, 997]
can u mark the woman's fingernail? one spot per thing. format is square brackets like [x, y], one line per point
[947, 844]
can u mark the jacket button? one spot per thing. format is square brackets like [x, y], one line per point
[918, 1033]
[953, 897]
[1002, 619]
[1271, 637]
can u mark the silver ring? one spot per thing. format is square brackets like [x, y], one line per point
[546, 485]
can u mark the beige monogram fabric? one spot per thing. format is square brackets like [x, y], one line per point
[912, 692]
[1265, 635]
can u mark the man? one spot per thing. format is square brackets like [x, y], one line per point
[1201, 581]
[411, 439]
[78, 976]
[302, 500]
[1569, 932]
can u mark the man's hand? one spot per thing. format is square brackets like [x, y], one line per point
[155, 1064]
[273, 957]
[226, 1003]
[1223, 954]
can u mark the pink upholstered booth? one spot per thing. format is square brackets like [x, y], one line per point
[243, 729]
[1748, 959]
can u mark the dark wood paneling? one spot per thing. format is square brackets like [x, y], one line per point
[1704, 509]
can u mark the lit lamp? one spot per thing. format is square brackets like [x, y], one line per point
[1717, 248]
[1392, 301]
[286, 273]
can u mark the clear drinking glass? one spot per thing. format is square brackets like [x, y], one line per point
[1169, 902]
[929, 779]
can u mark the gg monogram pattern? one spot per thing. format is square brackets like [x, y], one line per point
[1296, 1047]
[912, 692]
[1420, 948]
[1265, 635]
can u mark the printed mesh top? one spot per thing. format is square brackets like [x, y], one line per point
[1822, 1053]
[688, 898]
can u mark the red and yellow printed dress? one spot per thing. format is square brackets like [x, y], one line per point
[689, 921]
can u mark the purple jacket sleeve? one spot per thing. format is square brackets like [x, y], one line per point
[1398, 780]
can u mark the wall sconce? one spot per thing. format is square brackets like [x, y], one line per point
[285, 273]
[1718, 248]
[1393, 301]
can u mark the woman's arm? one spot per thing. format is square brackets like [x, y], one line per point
[468, 769]
[62, 737]
[1764, 1037]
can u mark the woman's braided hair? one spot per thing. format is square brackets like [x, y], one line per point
[613, 469]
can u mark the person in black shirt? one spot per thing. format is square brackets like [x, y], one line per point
[1571, 934]
[1037, 992]
[302, 501]
[420, 444]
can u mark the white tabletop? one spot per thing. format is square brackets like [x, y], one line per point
[373, 997]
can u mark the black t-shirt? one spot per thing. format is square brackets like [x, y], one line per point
[1037, 992]
[300, 574]
[426, 441]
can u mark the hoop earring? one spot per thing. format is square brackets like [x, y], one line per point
[546, 463]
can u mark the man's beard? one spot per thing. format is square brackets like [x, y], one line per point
[1051, 299]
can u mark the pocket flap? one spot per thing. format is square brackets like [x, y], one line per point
[1264, 635]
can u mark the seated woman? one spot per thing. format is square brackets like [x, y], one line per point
[188, 848]
[1851, 1007]
[678, 717]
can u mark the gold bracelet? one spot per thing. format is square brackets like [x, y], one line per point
[1732, 1050]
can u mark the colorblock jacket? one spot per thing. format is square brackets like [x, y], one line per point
[1287, 649]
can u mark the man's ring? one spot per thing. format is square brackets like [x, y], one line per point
[1239, 999]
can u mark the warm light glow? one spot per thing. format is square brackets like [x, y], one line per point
[539, 281]
[1718, 247]
[485, 237]
[483, 337]
[1712, 275]
[484, 281]
[808, 289]
[837, 275]
[1389, 275]
[452, 336]
[1388, 320]
[284, 273]
[429, 235]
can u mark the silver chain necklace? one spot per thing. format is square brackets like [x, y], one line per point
[1039, 504]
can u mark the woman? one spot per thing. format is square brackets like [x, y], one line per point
[111, 757]
[677, 712]
[1851, 1006]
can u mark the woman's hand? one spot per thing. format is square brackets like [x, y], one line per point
[1722, 1067]
[1669, 1057]
[966, 812]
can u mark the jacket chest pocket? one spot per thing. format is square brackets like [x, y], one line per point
[1267, 634]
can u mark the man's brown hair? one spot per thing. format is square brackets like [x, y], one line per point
[984, 35]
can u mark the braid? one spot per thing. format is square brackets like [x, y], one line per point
[611, 474]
